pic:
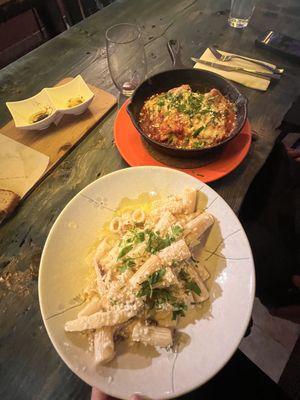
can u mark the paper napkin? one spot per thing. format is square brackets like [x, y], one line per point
[244, 79]
[20, 166]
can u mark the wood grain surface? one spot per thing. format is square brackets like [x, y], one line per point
[57, 141]
[30, 368]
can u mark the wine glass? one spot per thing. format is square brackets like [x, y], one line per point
[126, 56]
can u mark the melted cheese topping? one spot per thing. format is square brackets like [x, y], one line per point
[186, 119]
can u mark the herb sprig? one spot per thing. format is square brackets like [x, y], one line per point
[147, 286]
[156, 242]
[177, 230]
[189, 284]
[125, 250]
[157, 296]
[179, 310]
[127, 263]
[190, 103]
[136, 238]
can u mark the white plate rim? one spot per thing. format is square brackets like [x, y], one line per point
[80, 373]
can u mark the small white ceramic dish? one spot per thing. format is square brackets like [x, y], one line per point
[73, 97]
[23, 110]
[211, 339]
[76, 88]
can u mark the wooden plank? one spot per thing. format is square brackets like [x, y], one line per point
[57, 141]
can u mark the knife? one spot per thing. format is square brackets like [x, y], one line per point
[238, 69]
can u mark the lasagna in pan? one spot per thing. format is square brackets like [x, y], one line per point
[185, 119]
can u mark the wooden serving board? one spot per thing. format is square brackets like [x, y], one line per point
[57, 141]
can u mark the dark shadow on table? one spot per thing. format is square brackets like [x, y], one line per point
[240, 379]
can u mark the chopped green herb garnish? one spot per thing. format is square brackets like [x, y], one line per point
[197, 131]
[177, 230]
[193, 287]
[158, 297]
[205, 111]
[139, 237]
[125, 250]
[155, 297]
[157, 243]
[179, 310]
[184, 275]
[147, 286]
[112, 301]
[189, 104]
[127, 264]
[161, 296]
[190, 284]
[198, 144]
[216, 114]
[156, 276]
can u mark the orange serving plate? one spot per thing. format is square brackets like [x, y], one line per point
[136, 152]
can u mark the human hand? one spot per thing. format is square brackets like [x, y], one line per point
[97, 395]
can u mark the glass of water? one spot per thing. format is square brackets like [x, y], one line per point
[126, 56]
[240, 13]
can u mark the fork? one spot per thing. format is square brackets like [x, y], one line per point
[223, 57]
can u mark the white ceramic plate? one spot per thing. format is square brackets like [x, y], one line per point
[210, 340]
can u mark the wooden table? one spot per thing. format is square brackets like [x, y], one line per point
[30, 368]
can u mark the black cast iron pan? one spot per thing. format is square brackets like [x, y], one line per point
[199, 80]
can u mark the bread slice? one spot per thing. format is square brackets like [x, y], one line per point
[8, 202]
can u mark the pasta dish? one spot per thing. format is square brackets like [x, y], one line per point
[146, 277]
[185, 119]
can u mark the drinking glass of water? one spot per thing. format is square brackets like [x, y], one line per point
[126, 56]
[240, 13]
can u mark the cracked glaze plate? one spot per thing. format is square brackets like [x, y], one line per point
[209, 337]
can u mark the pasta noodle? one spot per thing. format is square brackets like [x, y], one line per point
[148, 268]
[178, 251]
[189, 200]
[99, 319]
[102, 249]
[202, 272]
[152, 335]
[195, 228]
[138, 216]
[165, 222]
[93, 306]
[172, 205]
[145, 275]
[193, 276]
[127, 221]
[104, 347]
[168, 279]
[115, 225]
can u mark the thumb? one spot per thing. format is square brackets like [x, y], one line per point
[97, 395]
[136, 397]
